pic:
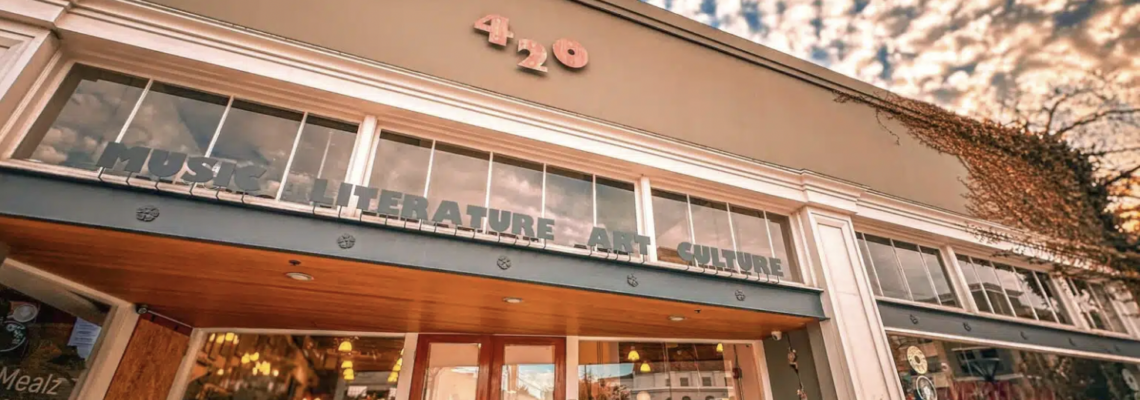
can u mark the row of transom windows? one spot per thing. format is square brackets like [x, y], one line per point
[303, 158]
[905, 271]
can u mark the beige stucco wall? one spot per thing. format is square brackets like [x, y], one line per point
[637, 76]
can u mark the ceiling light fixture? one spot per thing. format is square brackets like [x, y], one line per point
[676, 318]
[512, 300]
[299, 276]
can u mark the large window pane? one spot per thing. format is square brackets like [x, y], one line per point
[1018, 297]
[710, 224]
[671, 221]
[617, 205]
[976, 285]
[933, 259]
[993, 287]
[176, 119]
[569, 201]
[87, 111]
[1035, 296]
[323, 153]
[401, 165]
[1106, 306]
[1049, 289]
[43, 347]
[921, 286]
[666, 371]
[867, 264]
[458, 174]
[781, 229]
[751, 231]
[887, 267]
[516, 186]
[256, 366]
[1096, 306]
[255, 134]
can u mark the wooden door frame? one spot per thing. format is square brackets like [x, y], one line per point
[500, 342]
[490, 361]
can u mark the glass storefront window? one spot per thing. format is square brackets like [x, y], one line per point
[906, 271]
[400, 164]
[671, 220]
[569, 200]
[87, 111]
[256, 134]
[46, 348]
[458, 174]
[666, 371]
[516, 186]
[1002, 289]
[724, 227]
[286, 367]
[322, 153]
[616, 204]
[1096, 305]
[929, 369]
[176, 119]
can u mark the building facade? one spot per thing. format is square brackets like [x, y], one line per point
[540, 200]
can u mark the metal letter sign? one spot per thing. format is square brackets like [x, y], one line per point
[568, 52]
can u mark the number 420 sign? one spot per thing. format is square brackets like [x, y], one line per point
[568, 52]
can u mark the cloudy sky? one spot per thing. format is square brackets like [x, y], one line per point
[962, 54]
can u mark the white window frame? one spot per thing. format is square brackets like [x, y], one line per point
[109, 348]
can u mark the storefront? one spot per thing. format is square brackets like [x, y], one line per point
[259, 200]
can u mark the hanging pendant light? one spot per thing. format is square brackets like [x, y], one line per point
[245, 359]
[276, 372]
[349, 374]
[255, 356]
[346, 364]
[393, 377]
[229, 336]
[645, 367]
[345, 346]
[720, 347]
[633, 355]
[399, 365]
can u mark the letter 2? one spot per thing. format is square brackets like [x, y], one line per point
[536, 57]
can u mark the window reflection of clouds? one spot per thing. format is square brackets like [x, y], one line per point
[516, 186]
[400, 164]
[569, 201]
[322, 153]
[617, 209]
[671, 220]
[710, 224]
[254, 134]
[176, 119]
[87, 111]
[458, 174]
[751, 231]
[781, 228]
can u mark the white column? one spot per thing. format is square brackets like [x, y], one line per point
[850, 349]
[404, 384]
[182, 377]
[645, 190]
[958, 279]
[571, 368]
[358, 163]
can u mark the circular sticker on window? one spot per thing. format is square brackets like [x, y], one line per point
[23, 312]
[916, 359]
[924, 389]
[13, 335]
[1130, 380]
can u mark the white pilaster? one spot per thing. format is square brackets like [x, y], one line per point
[850, 349]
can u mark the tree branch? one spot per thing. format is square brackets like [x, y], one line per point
[1094, 117]
[1123, 175]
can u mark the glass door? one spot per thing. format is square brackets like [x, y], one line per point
[470, 367]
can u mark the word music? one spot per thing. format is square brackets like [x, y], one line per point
[568, 52]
